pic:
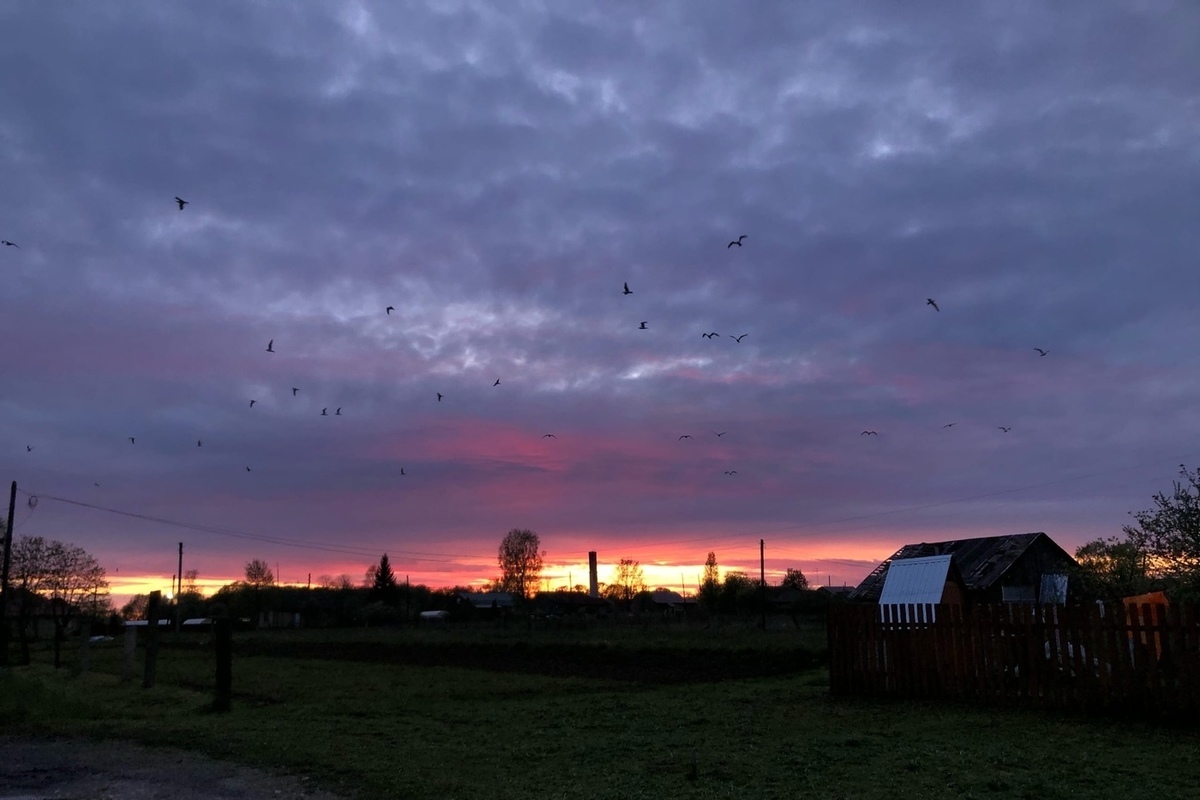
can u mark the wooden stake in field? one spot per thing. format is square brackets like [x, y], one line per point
[151, 640]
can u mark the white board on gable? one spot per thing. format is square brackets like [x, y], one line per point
[915, 580]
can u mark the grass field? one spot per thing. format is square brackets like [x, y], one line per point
[380, 729]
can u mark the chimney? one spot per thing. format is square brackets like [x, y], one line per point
[593, 584]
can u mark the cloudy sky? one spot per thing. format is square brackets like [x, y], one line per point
[497, 173]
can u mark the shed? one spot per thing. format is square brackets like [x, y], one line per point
[994, 569]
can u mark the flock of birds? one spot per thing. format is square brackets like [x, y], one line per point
[643, 325]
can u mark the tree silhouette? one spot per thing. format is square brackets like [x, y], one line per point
[66, 575]
[258, 574]
[520, 560]
[628, 581]
[794, 579]
[383, 584]
[710, 584]
[1170, 535]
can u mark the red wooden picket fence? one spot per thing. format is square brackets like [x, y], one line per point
[1142, 660]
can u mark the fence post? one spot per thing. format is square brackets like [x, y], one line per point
[151, 640]
[130, 653]
[223, 635]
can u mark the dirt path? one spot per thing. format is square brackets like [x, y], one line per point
[75, 769]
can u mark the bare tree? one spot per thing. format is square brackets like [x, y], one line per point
[794, 579]
[259, 574]
[520, 560]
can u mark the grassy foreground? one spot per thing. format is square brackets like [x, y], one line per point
[386, 730]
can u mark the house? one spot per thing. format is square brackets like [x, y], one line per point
[1022, 567]
[483, 600]
[670, 601]
[566, 604]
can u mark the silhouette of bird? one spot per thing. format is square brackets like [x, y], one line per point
[271, 346]
[930, 302]
[949, 424]
[28, 448]
[7, 243]
[868, 433]
[549, 436]
[440, 396]
[96, 485]
[731, 472]
[338, 413]
[252, 402]
[642, 327]
[685, 436]
[627, 290]
[497, 383]
[181, 202]
[389, 310]
[402, 472]
[737, 241]
[1041, 352]
[738, 339]
[722, 433]
[325, 411]
[199, 443]
[1006, 430]
[132, 440]
[247, 469]
[294, 390]
[712, 335]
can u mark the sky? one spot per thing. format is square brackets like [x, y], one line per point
[497, 173]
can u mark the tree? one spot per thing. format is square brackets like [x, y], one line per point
[520, 560]
[1112, 568]
[627, 582]
[794, 579]
[342, 581]
[383, 582]
[60, 575]
[258, 574]
[1170, 533]
[710, 584]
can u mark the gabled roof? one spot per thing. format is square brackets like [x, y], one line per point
[488, 599]
[981, 562]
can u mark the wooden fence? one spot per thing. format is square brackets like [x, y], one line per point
[1143, 660]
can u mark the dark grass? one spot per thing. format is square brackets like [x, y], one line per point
[381, 729]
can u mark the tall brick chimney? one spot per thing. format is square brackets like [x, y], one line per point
[593, 583]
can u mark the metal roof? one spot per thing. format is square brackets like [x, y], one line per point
[916, 580]
[981, 561]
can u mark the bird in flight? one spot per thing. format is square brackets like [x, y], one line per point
[930, 302]
[627, 290]
[247, 469]
[685, 436]
[868, 433]
[96, 485]
[731, 472]
[28, 448]
[181, 202]
[497, 383]
[722, 433]
[949, 424]
[738, 339]
[294, 390]
[642, 327]
[440, 396]
[271, 346]
[338, 413]
[252, 402]
[737, 241]
[712, 335]
[402, 472]
[389, 310]
[132, 440]
[199, 443]
[1041, 352]
[549, 436]
[1006, 430]
[325, 412]
[7, 243]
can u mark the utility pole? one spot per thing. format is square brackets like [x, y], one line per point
[12, 507]
[762, 580]
[179, 591]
